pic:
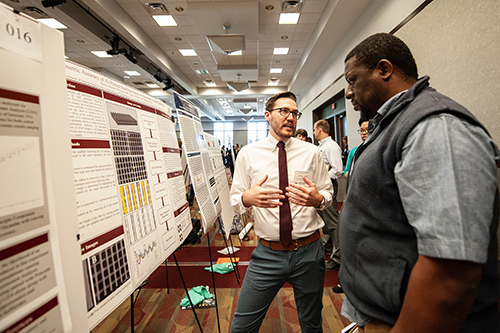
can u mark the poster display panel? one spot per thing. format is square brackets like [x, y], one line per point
[205, 164]
[126, 162]
[29, 291]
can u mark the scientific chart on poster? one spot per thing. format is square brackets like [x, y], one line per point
[131, 203]
[219, 172]
[30, 296]
[204, 165]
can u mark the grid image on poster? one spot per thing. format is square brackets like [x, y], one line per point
[126, 143]
[129, 156]
[123, 119]
[108, 271]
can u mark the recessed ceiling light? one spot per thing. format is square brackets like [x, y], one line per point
[53, 23]
[201, 71]
[273, 82]
[210, 84]
[188, 52]
[284, 37]
[158, 92]
[179, 9]
[235, 53]
[133, 73]
[177, 39]
[269, 7]
[165, 20]
[152, 85]
[101, 54]
[281, 50]
[276, 70]
[289, 18]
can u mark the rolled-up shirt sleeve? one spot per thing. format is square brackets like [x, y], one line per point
[322, 181]
[447, 179]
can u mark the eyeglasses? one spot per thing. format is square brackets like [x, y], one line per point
[285, 112]
[362, 131]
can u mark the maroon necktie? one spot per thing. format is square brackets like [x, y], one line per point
[285, 215]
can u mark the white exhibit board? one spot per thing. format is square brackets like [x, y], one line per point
[33, 295]
[206, 166]
[131, 201]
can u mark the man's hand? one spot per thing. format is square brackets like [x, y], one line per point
[304, 196]
[259, 197]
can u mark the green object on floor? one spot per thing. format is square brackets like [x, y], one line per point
[222, 268]
[197, 294]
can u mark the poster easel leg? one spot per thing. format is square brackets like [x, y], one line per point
[132, 303]
[166, 276]
[187, 292]
[234, 263]
[213, 281]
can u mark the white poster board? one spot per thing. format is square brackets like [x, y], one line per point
[33, 295]
[206, 166]
[131, 203]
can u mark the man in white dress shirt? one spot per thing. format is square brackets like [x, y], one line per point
[256, 184]
[333, 158]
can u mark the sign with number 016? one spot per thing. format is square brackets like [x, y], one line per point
[20, 33]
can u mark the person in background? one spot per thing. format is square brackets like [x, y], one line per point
[309, 139]
[301, 134]
[295, 256]
[332, 156]
[345, 152]
[363, 131]
[418, 228]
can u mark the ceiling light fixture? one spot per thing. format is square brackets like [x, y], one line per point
[101, 54]
[165, 20]
[235, 53]
[133, 73]
[276, 70]
[188, 52]
[53, 23]
[281, 50]
[289, 18]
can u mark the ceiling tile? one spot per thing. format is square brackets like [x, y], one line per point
[309, 18]
[311, 6]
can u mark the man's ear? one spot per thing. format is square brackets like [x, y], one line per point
[385, 69]
[267, 115]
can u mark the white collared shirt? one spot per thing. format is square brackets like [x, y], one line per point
[333, 156]
[259, 159]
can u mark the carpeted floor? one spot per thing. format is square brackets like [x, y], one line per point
[157, 308]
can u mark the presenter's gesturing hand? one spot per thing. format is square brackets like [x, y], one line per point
[260, 197]
[304, 196]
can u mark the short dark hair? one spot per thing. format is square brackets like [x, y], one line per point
[362, 120]
[385, 46]
[301, 132]
[324, 125]
[285, 94]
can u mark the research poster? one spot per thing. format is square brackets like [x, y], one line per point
[30, 298]
[205, 164]
[131, 203]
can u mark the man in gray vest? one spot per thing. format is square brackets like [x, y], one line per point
[418, 226]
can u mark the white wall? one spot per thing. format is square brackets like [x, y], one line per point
[380, 16]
